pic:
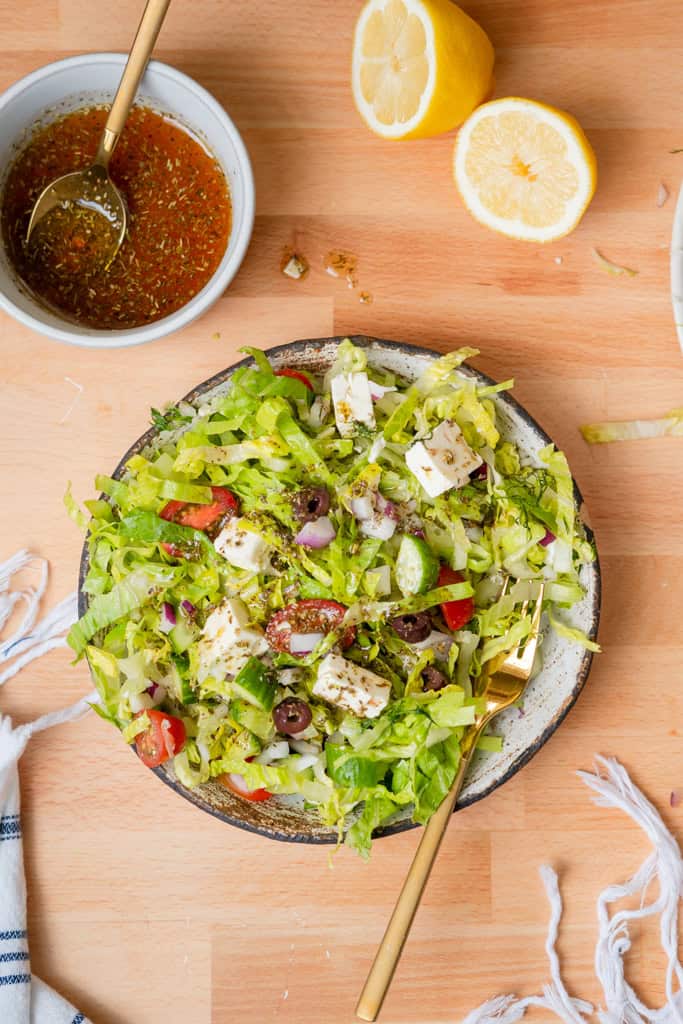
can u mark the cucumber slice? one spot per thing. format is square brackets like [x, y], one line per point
[182, 636]
[245, 745]
[252, 718]
[253, 685]
[179, 683]
[417, 567]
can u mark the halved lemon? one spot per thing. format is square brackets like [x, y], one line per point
[525, 169]
[419, 67]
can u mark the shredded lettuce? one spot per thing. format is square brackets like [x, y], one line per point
[70, 504]
[615, 269]
[376, 810]
[123, 598]
[632, 430]
[572, 633]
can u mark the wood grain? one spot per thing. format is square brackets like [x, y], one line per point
[143, 910]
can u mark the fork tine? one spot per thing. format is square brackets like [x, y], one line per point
[536, 617]
[522, 658]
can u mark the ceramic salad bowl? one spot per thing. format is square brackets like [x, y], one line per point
[551, 693]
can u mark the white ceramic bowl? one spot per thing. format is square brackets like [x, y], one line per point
[92, 78]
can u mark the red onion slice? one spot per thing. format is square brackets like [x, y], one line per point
[168, 617]
[362, 508]
[386, 507]
[274, 751]
[548, 539]
[140, 702]
[376, 448]
[157, 693]
[188, 608]
[378, 391]
[316, 534]
[303, 746]
[304, 643]
[380, 527]
[304, 761]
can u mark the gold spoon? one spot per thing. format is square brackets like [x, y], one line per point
[90, 198]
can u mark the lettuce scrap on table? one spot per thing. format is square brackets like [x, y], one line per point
[296, 588]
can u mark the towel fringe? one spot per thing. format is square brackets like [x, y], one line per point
[613, 788]
[26, 642]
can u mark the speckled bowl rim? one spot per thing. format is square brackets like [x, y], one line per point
[533, 748]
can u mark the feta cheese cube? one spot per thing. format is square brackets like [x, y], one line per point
[228, 640]
[352, 402]
[351, 687]
[242, 547]
[443, 461]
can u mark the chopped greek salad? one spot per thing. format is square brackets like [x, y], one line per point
[296, 589]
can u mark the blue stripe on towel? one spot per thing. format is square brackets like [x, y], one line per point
[10, 825]
[78, 1019]
[15, 979]
[17, 835]
[16, 934]
[7, 957]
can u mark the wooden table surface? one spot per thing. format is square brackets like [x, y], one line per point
[141, 908]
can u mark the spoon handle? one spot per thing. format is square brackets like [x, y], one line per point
[141, 51]
[391, 946]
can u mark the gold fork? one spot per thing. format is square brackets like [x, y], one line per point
[507, 677]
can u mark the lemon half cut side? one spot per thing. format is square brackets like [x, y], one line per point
[419, 67]
[525, 169]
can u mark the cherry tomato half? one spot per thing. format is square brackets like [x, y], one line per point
[172, 550]
[164, 738]
[312, 615]
[456, 613]
[201, 517]
[295, 375]
[236, 784]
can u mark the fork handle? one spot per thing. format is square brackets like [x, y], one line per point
[391, 946]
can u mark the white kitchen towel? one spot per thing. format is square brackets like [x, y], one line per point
[24, 999]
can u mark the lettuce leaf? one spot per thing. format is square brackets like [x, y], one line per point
[572, 633]
[634, 430]
[435, 770]
[122, 599]
[376, 810]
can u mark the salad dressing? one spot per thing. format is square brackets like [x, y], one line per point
[178, 227]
